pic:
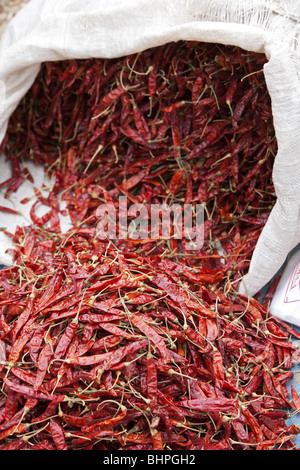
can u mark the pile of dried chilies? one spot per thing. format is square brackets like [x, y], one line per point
[130, 344]
[182, 123]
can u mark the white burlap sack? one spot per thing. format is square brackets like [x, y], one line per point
[54, 30]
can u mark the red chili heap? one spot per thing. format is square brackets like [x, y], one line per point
[141, 344]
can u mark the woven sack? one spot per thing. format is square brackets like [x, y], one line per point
[46, 30]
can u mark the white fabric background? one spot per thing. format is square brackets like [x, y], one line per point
[54, 29]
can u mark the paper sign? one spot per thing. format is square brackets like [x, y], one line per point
[286, 301]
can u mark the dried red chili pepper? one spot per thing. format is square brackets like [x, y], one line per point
[43, 361]
[211, 404]
[58, 435]
[30, 393]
